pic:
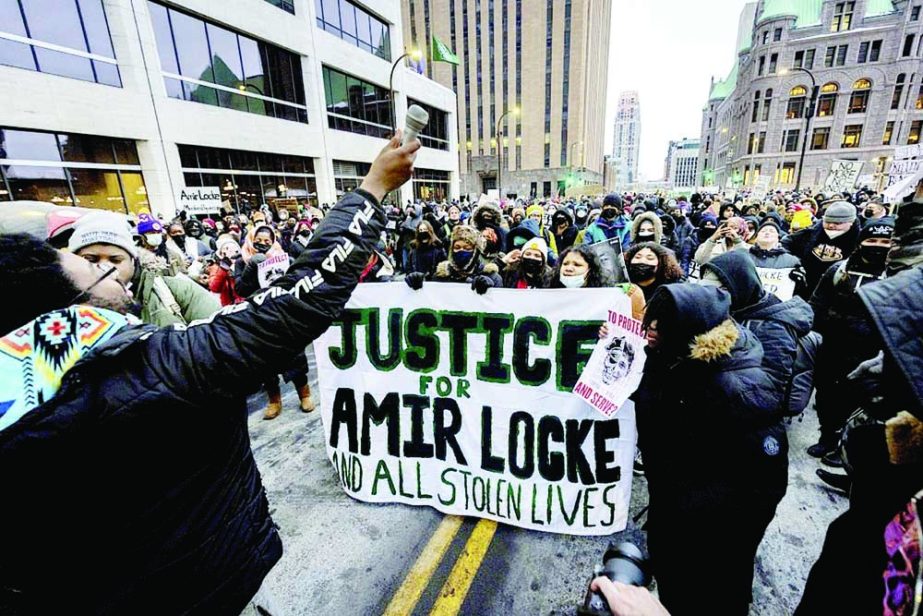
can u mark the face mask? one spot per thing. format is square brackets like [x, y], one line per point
[560, 222]
[462, 257]
[179, 239]
[869, 212]
[304, 233]
[573, 282]
[581, 213]
[875, 255]
[646, 237]
[262, 248]
[532, 266]
[610, 213]
[639, 272]
[154, 239]
[423, 237]
[835, 234]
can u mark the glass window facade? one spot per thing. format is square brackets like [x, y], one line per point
[436, 133]
[77, 29]
[286, 5]
[354, 24]
[210, 64]
[249, 179]
[355, 105]
[430, 184]
[71, 169]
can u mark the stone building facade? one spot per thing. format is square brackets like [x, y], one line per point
[867, 95]
[547, 58]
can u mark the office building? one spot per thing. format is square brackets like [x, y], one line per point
[682, 164]
[119, 104]
[846, 75]
[547, 58]
[627, 142]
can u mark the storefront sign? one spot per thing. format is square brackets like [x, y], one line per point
[461, 402]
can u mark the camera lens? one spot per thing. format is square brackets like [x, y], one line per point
[625, 563]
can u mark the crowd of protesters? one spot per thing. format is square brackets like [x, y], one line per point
[728, 364]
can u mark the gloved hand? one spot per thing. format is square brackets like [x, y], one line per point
[415, 280]
[481, 283]
[257, 258]
[799, 276]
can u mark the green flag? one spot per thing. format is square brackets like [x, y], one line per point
[441, 53]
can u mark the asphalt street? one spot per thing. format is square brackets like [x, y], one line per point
[343, 556]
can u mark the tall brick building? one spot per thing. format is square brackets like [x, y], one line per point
[546, 57]
[865, 56]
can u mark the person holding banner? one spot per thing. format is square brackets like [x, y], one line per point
[651, 266]
[714, 447]
[135, 487]
[466, 262]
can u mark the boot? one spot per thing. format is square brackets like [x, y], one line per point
[304, 394]
[821, 448]
[839, 482]
[833, 459]
[274, 407]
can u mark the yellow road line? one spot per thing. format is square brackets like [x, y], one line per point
[457, 585]
[405, 599]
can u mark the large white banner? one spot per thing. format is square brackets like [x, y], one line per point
[465, 403]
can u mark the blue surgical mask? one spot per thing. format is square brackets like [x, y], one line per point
[462, 257]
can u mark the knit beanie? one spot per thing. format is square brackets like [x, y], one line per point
[840, 212]
[102, 228]
[148, 224]
[223, 241]
[770, 222]
[537, 243]
[535, 209]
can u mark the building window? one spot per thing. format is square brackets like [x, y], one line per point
[790, 140]
[773, 63]
[796, 103]
[71, 169]
[249, 179]
[798, 61]
[869, 51]
[765, 36]
[285, 5]
[826, 103]
[863, 52]
[919, 103]
[820, 139]
[767, 104]
[355, 25]
[836, 55]
[348, 176]
[761, 143]
[875, 51]
[914, 136]
[842, 16]
[809, 59]
[436, 133]
[547, 162]
[908, 46]
[859, 101]
[852, 135]
[889, 134]
[430, 184]
[915, 13]
[777, 35]
[754, 116]
[785, 173]
[762, 66]
[355, 105]
[69, 38]
[751, 143]
[205, 63]
[898, 91]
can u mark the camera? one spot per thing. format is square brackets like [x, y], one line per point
[625, 563]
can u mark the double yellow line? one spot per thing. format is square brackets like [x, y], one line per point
[458, 583]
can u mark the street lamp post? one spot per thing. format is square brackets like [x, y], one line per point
[244, 85]
[506, 112]
[415, 54]
[807, 124]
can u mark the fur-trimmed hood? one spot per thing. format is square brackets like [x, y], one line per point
[716, 343]
[652, 218]
[480, 210]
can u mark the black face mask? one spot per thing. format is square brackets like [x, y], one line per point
[262, 248]
[639, 272]
[304, 233]
[179, 238]
[645, 237]
[610, 213]
[875, 255]
[423, 238]
[705, 234]
[532, 266]
[869, 212]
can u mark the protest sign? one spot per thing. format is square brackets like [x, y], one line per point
[843, 175]
[199, 199]
[273, 268]
[461, 402]
[777, 282]
[616, 366]
[610, 258]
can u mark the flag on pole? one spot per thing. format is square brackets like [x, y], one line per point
[441, 53]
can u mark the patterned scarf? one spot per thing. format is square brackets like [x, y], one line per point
[35, 357]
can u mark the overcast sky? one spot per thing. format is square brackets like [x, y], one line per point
[667, 50]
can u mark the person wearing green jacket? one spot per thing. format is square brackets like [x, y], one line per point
[105, 238]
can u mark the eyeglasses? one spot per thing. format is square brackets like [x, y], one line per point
[86, 292]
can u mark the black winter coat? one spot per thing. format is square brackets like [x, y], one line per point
[777, 258]
[818, 252]
[133, 490]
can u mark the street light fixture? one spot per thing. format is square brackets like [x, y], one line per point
[807, 123]
[413, 54]
[506, 112]
[243, 88]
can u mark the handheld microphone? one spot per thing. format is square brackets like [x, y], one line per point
[416, 120]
